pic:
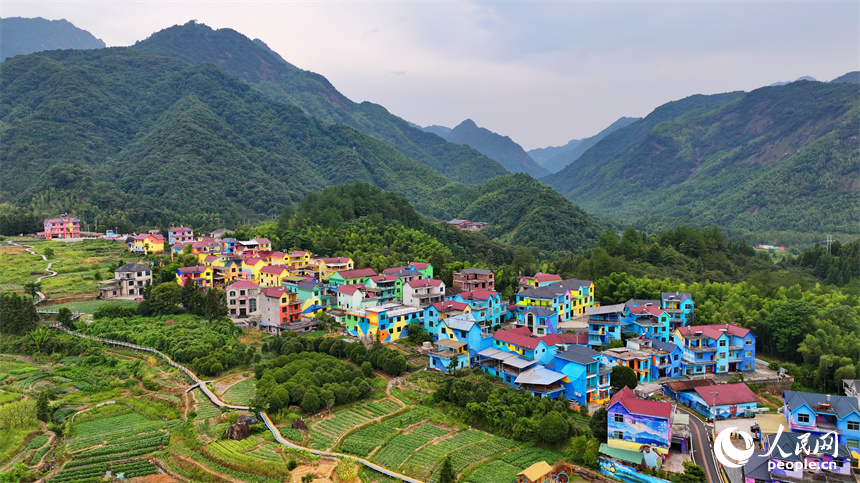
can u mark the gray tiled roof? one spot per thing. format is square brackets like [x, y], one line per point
[132, 267]
[841, 405]
[579, 354]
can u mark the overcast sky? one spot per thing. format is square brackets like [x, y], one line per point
[542, 73]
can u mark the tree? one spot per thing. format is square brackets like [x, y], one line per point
[692, 474]
[212, 305]
[310, 401]
[623, 376]
[43, 409]
[49, 252]
[598, 423]
[455, 361]
[366, 368]
[308, 478]
[17, 314]
[32, 289]
[37, 338]
[553, 428]
[446, 472]
[64, 316]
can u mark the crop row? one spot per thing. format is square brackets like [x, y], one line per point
[107, 457]
[431, 454]
[291, 434]
[225, 453]
[160, 439]
[379, 408]
[321, 440]
[393, 454]
[109, 425]
[145, 431]
[205, 408]
[494, 472]
[79, 474]
[38, 454]
[477, 452]
[38, 441]
[266, 452]
[363, 441]
[130, 469]
[528, 456]
[341, 422]
[415, 415]
[214, 465]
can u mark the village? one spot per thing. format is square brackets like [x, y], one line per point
[552, 340]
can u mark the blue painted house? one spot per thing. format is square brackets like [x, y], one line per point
[538, 320]
[634, 423]
[459, 335]
[718, 348]
[589, 380]
[434, 314]
[679, 306]
[822, 413]
[720, 401]
[605, 324]
[665, 356]
[486, 306]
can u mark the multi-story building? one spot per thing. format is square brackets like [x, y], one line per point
[403, 275]
[326, 267]
[180, 234]
[279, 308]
[637, 360]
[298, 260]
[63, 227]
[647, 320]
[354, 297]
[605, 324]
[384, 287]
[665, 356]
[470, 279]
[569, 298]
[129, 281]
[273, 275]
[460, 338]
[820, 414]
[199, 275]
[349, 277]
[487, 307]
[385, 322]
[539, 280]
[146, 243]
[718, 348]
[242, 299]
[426, 269]
[422, 293]
[589, 379]
[633, 423]
[679, 306]
[436, 313]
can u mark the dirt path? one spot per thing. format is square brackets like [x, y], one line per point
[51, 273]
[220, 389]
[207, 469]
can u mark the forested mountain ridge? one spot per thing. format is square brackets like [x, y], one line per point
[269, 73]
[122, 130]
[559, 158]
[19, 36]
[778, 161]
[501, 148]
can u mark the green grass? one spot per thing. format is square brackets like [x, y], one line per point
[240, 393]
[90, 306]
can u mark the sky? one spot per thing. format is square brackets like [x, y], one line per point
[542, 73]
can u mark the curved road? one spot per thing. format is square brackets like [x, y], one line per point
[703, 453]
[265, 417]
[51, 273]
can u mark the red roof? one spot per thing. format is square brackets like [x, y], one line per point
[520, 336]
[651, 309]
[641, 406]
[181, 244]
[243, 284]
[335, 260]
[419, 265]
[252, 261]
[274, 292]
[262, 240]
[555, 339]
[450, 305]
[393, 269]
[479, 294]
[383, 278]
[144, 236]
[351, 288]
[726, 394]
[546, 277]
[210, 258]
[714, 331]
[195, 269]
[357, 273]
[273, 269]
[297, 253]
[427, 282]
[180, 228]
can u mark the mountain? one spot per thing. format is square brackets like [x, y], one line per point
[265, 70]
[540, 155]
[27, 35]
[780, 162]
[124, 135]
[122, 130]
[849, 78]
[440, 131]
[501, 148]
[564, 157]
[804, 78]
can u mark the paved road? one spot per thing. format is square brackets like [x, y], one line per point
[703, 453]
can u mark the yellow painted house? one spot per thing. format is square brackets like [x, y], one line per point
[251, 268]
[199, 275]
[326, 267]
[273, 275]
[297, 260]
[146, 243]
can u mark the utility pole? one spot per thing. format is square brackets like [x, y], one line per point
[829, 243]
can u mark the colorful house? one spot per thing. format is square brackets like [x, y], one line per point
[637, 360]
[522, 342]
[718, 348]
[665, 356]
[179, 234]
[569, 298]
[539, 320]
[425, 269]
[63, 227]
[385, 323]
[539, 280]
[720, 401]
[459, 335]
[242, 299]
[470, 279]
[423, 292]
[436, 313]
[384, 287]
[326, 267]
[298, 260]
[278, 308]
[819, 414]
[605, 324]
[634, 423]
[146, 243]
[274, 258]
[486, 306]
[589, 380]
[795, 458]
[354, 297]
[273, 275]
[403, 275]
[349, 277]
[679, 306]
[251, 268]
[199, 275]
[228, 245]
[647, 320]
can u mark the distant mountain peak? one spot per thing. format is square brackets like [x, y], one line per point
[467, 124]
[501, 148]
[20, 36]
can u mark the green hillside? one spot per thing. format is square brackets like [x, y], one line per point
[121, 130]
[266, 71]
[778, 164]
[501, 148]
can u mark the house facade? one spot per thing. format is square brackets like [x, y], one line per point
[146, 243]
[424, 292]
[63, 227]
[470, 279]
[199, 275]
[180, 234]
[634, 423]
[278, 309]
[719, 348]
[819, 414]
[129, 281]
[243, 299]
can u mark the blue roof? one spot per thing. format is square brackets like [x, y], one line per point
[579, 354]
[663, 346]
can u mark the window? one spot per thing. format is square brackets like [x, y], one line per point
[853, 426]
[802, 418]
[619, 418]
[232, 293]
[748, 353]
[852, 443]
[748, 342]
[722, 343]
[618, 435]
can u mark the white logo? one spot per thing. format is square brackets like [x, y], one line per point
[725, 449]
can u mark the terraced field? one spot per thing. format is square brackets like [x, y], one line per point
[240, 393]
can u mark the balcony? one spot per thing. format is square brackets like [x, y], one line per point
[700, 349]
